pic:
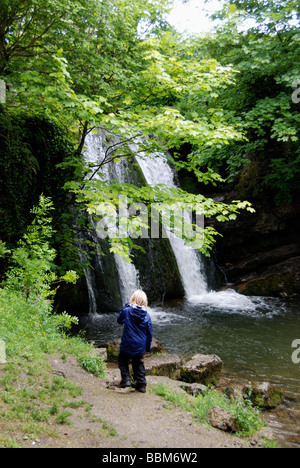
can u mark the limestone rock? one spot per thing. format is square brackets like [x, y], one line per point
[265, 395]
[101, 352]
[259, 252]
[202, 368]
[163, 364]
[194, 388]
[222, 420]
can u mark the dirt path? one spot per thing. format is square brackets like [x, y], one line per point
[128, 419]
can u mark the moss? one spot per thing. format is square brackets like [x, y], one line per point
[204, 376]
[270, 285]
[265, 395]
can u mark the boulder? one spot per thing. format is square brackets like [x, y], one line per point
[204, 369]
[222, 420]
[264, 395]
[101, 352]
[156, 347]
[194, 388]
[163, 364]
[113, 349]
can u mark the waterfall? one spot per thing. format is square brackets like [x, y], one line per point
[94, 153]
[157, 171]
[129, 278]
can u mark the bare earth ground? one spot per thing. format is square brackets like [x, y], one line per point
[128, 419]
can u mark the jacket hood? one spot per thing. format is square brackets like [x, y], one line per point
[137, 313]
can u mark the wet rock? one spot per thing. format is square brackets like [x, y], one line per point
[265, 395]
[157, 347]
[164, 365]
[222, 420]
[260, 253]
[204, 369]
[281, 280]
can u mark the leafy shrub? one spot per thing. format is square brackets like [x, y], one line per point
[27, 323]
[93, 364]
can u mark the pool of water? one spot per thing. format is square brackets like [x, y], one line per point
[253, 337]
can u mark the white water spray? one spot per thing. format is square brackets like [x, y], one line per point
[157, 171]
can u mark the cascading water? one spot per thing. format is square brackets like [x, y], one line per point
[95, 153]
[157, 171]
[129, 278]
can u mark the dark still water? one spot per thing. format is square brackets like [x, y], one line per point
[253, 337]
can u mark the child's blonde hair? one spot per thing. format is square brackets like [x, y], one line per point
[139, 298]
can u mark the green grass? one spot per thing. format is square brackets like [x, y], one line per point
[32, 398]
[247, 417]
[93, 364]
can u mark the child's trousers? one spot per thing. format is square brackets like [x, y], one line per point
[137, 366]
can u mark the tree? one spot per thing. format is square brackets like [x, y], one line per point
[259, 103]
[114, 65]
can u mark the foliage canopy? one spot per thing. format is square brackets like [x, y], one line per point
[261, 41]
[119, 66]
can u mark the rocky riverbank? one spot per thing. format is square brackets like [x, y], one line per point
[195, 375]
[124, 418]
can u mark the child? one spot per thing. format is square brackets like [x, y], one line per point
[136, 340]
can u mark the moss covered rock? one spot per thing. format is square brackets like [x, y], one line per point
[204, 369]
[113, 349]
[167, 365]
[268, 285]
[265, 395]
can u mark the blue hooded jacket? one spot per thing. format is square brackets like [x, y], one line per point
[137, 333]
